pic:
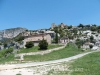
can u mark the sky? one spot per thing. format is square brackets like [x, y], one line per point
[39, 14]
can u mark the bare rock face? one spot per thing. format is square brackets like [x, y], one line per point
[11, 33]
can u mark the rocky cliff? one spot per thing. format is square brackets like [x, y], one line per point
[10, 33]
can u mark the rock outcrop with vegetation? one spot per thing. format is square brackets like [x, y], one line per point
[11, 33]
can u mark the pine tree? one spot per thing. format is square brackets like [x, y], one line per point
[43, 45]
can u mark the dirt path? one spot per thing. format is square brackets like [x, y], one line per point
[21, 55]
[3, 67]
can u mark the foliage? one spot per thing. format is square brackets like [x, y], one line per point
[5, 53]
[56, 29]
[91, 46]
[91, 38]
[79, 43]
[43, 45]
[29, 44]
[18, 74]
[68, 51]
[75, 31]
[5, 45]
[81, 25]
[36, 48]
[71, 37]
[69, 27]
[10, 50]
[61, 32]
[20, 38]
[93, 28]
[56, 37]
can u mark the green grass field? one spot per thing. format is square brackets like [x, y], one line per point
[87, 65]
[7, 59]
[68, 51]
[36, 49]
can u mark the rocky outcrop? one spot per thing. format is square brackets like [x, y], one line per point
[11, 33]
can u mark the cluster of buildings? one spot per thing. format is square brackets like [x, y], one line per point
[62, 25]
[48, 35]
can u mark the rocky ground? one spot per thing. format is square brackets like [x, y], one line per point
[55, 67]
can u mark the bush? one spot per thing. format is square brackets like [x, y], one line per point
[43, 45]
[10, 50]
[5, 53]
[91, 46]
[5, 45]
[20, 38]
[29, 44]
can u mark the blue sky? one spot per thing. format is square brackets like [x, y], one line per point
[38, 14]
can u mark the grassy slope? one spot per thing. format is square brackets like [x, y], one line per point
[63, 53]
[36, 49]
[87, 65]
[9, 58]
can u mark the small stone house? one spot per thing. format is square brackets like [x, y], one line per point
[64, 40]
[37, 38]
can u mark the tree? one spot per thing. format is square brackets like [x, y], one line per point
[43, 45]
[71, 37]
[91, 38]
[20, 38]
[69, 27]
[5, 45]
[61, 32]
[29, 44]
[81, 25]
[75, 31]
[56, 37]
[93, 28]
[91, 46]
[79, 42]
[88, 26]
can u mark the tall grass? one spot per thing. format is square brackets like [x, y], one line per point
[7, 59]
[87, 65]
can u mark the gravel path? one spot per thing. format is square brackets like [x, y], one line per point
[2, 67]
[40, 52]
[21, 55]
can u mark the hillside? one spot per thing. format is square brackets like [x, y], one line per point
[10, 33]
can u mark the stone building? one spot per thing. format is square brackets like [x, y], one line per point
[53, 26]
[64, 40]
[37, 38]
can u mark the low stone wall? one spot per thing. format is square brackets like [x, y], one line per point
[40, 52]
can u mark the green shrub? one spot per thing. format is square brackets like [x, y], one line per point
[10, 50]
[29, 44]
[18, 74]
[4, 53]
[91, 46]
[43, 45]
